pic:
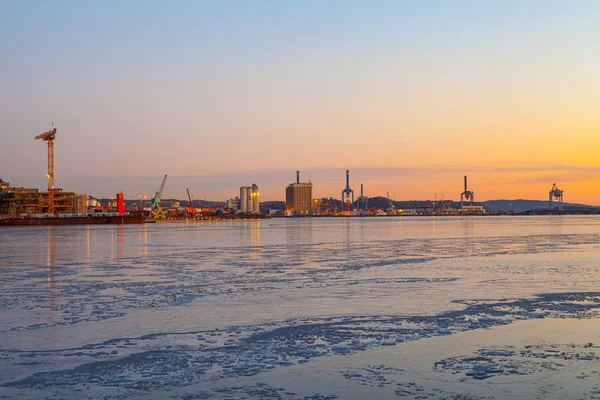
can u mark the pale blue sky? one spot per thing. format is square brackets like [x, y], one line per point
[193, 88]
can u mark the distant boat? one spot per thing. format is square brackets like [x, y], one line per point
[290, 214]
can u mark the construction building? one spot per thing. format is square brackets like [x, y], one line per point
[16, 201]
[80, 203]
[64, 202]
[249, 199]
[298, 197]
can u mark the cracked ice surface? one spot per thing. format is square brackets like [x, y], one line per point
[122, 311]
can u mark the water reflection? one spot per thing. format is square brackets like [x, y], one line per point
[467, 228]
[88, 241]
[557, 224]
[362, 233]
[51, 275]
[112, 244]
[255, 236]
[120, 241]
[51, 257]
[143, 240]
[348, 231]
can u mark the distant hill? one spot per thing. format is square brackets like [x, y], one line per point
[526, 205]
[518, 205]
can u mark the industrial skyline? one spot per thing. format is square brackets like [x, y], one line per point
[408, 96]
[404, 183]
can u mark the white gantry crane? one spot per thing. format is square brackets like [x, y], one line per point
[555, 194]
[391, 207]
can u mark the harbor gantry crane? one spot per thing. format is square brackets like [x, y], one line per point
[49, 137]
[157, 212]
[391, 203]
[346, 193]
[191, 210]
[555, 193]
[466, 195]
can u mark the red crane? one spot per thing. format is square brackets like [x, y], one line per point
[191, 210]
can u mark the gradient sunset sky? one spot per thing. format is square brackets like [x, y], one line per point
[410, 96]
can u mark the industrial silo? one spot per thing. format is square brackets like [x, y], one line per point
[244, 199]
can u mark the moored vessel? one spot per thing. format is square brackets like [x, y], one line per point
[75, 220]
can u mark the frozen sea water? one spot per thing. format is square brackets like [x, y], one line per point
[350, 307]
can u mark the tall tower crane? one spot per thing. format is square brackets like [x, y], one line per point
[555, 193]
[157, 212]
[49, 137]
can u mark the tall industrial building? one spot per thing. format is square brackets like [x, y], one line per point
[298, 197]
[234, 203]
[249, 199]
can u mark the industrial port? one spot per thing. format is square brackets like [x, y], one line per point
[29, 206]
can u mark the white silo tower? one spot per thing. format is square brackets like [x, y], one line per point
[244, 199]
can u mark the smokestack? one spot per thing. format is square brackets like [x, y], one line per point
[297, 176]
[361, 190]
[465, 183]
[347, 178]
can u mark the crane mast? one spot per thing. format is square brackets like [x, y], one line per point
[192, 209]
[159, 193]
[49, 137]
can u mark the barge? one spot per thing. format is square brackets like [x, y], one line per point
[88, 220]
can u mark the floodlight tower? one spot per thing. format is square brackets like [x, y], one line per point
[466, 195]
[49, 137]
[555, 193]
[347, 193]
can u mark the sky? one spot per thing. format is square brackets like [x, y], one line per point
[409, 96]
